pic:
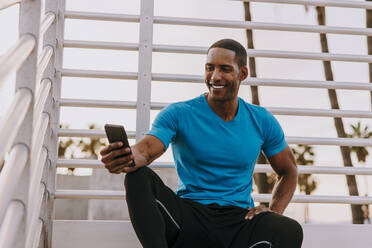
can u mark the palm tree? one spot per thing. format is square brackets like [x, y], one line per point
[264, 182]
[356, 210]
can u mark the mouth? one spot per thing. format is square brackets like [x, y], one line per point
[216, 86]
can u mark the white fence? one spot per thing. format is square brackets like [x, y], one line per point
[29, 131]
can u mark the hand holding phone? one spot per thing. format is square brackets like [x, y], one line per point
[115, 134]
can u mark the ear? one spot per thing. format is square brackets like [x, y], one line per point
[243, 73]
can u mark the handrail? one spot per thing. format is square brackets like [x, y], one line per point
[47, 21]
[37, 172]
[10, 175]
[65, 102]
[220, 23]
[290, 139]
[7, 3]
[35, 213]
[324, 3]
[36, 238]
[10, 123]
[43, 61]
[63, 132]
[39, 134]
[120, 195]
[250, 52]
[41, 97]
[10, 226]
[259, 168]
[15, 56]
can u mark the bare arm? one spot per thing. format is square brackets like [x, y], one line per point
[284, 165]
[143, 153]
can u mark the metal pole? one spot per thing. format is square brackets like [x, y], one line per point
[29, 24]
[144, 68]
[54, 38]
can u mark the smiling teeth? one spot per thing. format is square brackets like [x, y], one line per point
[217, 86]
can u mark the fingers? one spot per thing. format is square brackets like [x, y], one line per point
[255, 211]
[121, 162]
[113, 154]
[107, 149]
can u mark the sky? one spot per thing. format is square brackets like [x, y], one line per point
[125, 90]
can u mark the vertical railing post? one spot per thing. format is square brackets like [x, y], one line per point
[52, 109]
[54, 37]
[29, 24]
[144, 68]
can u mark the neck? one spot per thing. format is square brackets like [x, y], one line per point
[225, 109]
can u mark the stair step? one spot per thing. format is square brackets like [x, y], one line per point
[120, 234]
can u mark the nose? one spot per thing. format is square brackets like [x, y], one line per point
[216, 76]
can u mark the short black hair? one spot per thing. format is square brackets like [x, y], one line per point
[240, 52]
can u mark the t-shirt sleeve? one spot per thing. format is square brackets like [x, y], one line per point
[274, 140]
[165, 125]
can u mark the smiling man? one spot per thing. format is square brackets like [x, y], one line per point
[216, 139]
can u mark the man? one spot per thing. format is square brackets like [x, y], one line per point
[216, 139]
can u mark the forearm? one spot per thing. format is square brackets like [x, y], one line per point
[283, 191]
[147, 150]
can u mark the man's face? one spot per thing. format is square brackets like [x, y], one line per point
[222, 74]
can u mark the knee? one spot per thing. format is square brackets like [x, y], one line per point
[137, 178]
[288, 228]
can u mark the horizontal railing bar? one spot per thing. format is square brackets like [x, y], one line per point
[36, 239]
[41, 97]
[250, 52]
[37, 172]
[68, 102]
[15, 56]
[43, 61]
[9, 229]
[319, 199]
[88, 133]
[39, 134]
[324, 3]
[7, 3]
[99, 74]
[120, 195]
[47, 21]
[275, 110]
[290, 140]
[12, 120]
[307, 84]
[220, 23]
[35, 213]
[101, 16]
[259, 168]
[10, 175]
[329, 141]
[161, 77]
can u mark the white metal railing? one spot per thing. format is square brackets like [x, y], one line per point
[165, 77]
[259, 168]
[24, 127]
[219, 23]
[324, 3]
[15, 56]
[274, 110]
[7, 3]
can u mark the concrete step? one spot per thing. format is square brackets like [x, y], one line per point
[120, 234]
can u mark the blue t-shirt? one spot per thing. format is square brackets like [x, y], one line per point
[214, 158]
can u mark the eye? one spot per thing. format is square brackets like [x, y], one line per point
[209, 67]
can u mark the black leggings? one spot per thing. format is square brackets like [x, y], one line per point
[162, 219]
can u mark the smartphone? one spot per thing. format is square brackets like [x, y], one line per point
[116, 133]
